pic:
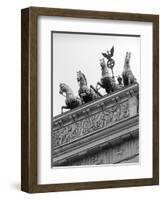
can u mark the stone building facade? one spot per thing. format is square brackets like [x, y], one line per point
[104, 131]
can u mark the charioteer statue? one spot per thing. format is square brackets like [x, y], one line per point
[107, 82]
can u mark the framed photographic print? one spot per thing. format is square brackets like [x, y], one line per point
[90, 99]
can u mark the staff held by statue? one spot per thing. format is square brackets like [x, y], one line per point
[110, 61]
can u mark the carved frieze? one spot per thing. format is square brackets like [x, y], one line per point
[90, 123]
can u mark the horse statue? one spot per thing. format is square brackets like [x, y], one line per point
[86, 93]
[127, 75]
[107, 82]
[71, 101]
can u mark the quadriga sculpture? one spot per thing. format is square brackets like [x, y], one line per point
[127, 75]
[86, 93]
[107, 82]
[71, 101]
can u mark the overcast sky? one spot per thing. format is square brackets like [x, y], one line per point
[74, 52]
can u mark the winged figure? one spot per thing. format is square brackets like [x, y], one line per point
[109, 54]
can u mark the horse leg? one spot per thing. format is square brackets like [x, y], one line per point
[64, 107]
[101, 86]
[129, 81]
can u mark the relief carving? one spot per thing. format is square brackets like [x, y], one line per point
[90, 124]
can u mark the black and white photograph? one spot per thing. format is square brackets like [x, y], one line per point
[90, 99]
[95, 80]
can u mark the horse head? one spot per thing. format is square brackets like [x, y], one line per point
[127, 58]
[102, 64]
[63, 88]
[81, 78]
[104, 68]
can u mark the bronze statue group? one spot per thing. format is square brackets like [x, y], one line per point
[108, 83]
